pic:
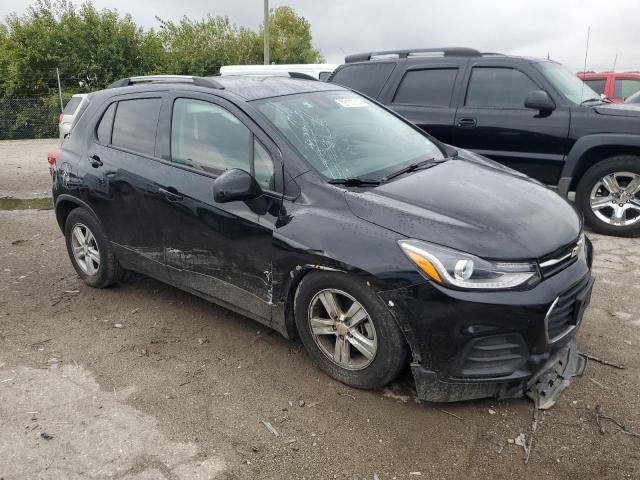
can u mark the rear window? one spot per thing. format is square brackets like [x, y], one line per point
[71, 106]
[135, 124]
[367, 78]
[429, 88]
[597, 84]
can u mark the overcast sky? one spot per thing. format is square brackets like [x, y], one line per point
[339, 27]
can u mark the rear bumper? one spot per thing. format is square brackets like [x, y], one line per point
[469, 345]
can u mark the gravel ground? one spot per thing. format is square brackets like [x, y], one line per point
[143, 381]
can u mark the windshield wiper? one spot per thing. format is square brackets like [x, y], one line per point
[592, 100]
[354, 182]
[430, 162]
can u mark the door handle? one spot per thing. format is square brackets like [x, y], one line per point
[467, 122]
[95, 161]
[170, 194]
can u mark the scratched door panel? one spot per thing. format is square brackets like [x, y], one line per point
[222, 250]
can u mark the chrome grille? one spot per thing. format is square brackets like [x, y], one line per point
[561, 258]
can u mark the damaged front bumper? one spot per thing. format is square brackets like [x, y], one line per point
[544, 388]
[471, 345]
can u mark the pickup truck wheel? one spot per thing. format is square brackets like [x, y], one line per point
[609, 196]
[348, 331]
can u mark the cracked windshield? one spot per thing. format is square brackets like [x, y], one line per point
[343, 135]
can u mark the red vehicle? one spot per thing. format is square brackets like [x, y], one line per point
[616, 86]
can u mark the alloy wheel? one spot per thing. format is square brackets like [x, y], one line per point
[85, 249]
[614, 199]
[342, 329]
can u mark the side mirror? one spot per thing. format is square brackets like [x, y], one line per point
[539, 100]
[235, 184]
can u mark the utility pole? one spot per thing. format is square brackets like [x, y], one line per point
[59, 89]
[266, 32]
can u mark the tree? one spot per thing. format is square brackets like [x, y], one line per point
[201, 47]
[290, 38]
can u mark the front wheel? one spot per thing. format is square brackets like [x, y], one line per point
[609, 196]
[348, 331]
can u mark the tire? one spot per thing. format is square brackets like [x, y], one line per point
[106, 271]
[592, 189]
[391, 350]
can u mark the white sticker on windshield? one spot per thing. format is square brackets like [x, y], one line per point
[351, 102]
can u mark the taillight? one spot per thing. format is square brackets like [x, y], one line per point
[51, 158]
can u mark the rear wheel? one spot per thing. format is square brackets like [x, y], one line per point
[609, 196]
[348, 331]
[89, 250]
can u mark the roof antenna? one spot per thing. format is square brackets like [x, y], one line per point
[586, 53]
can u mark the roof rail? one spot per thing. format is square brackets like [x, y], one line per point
[302, 76]
[426, 52]
[199, 81]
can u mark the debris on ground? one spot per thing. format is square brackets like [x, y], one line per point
[270, 428]
[604, 362]
[46, 436]
[601, 415]
[301, 403]
[118, 325]
[492, 411]
[521, 441]
[202, 341]
[344, 394]
[598, 383]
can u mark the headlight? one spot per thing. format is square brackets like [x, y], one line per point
[461, 270]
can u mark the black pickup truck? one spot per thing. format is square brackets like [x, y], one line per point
[530, 114]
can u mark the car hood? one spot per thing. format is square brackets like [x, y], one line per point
[473, 205]
[618, 110]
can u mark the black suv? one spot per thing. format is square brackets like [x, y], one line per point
[530, 114]
[320, 213]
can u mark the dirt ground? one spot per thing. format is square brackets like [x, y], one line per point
[143, 381]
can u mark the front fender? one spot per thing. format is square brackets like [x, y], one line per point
[581, 148]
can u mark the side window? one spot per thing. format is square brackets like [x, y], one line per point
[491, 87]
[597, 84]
[625, 87]
[429, 88]
[262, 166]
[104, 126]
[208, 137]
[367, 78]
[135, 124]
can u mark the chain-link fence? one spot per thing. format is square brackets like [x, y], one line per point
[26, 115]
[23, 117]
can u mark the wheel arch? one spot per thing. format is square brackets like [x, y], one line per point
[65, 204]
[590, 150]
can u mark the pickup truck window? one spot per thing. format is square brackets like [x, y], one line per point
[625, 87]
[597, 84]
[429, 88]
[491, 87]
[367, 78]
